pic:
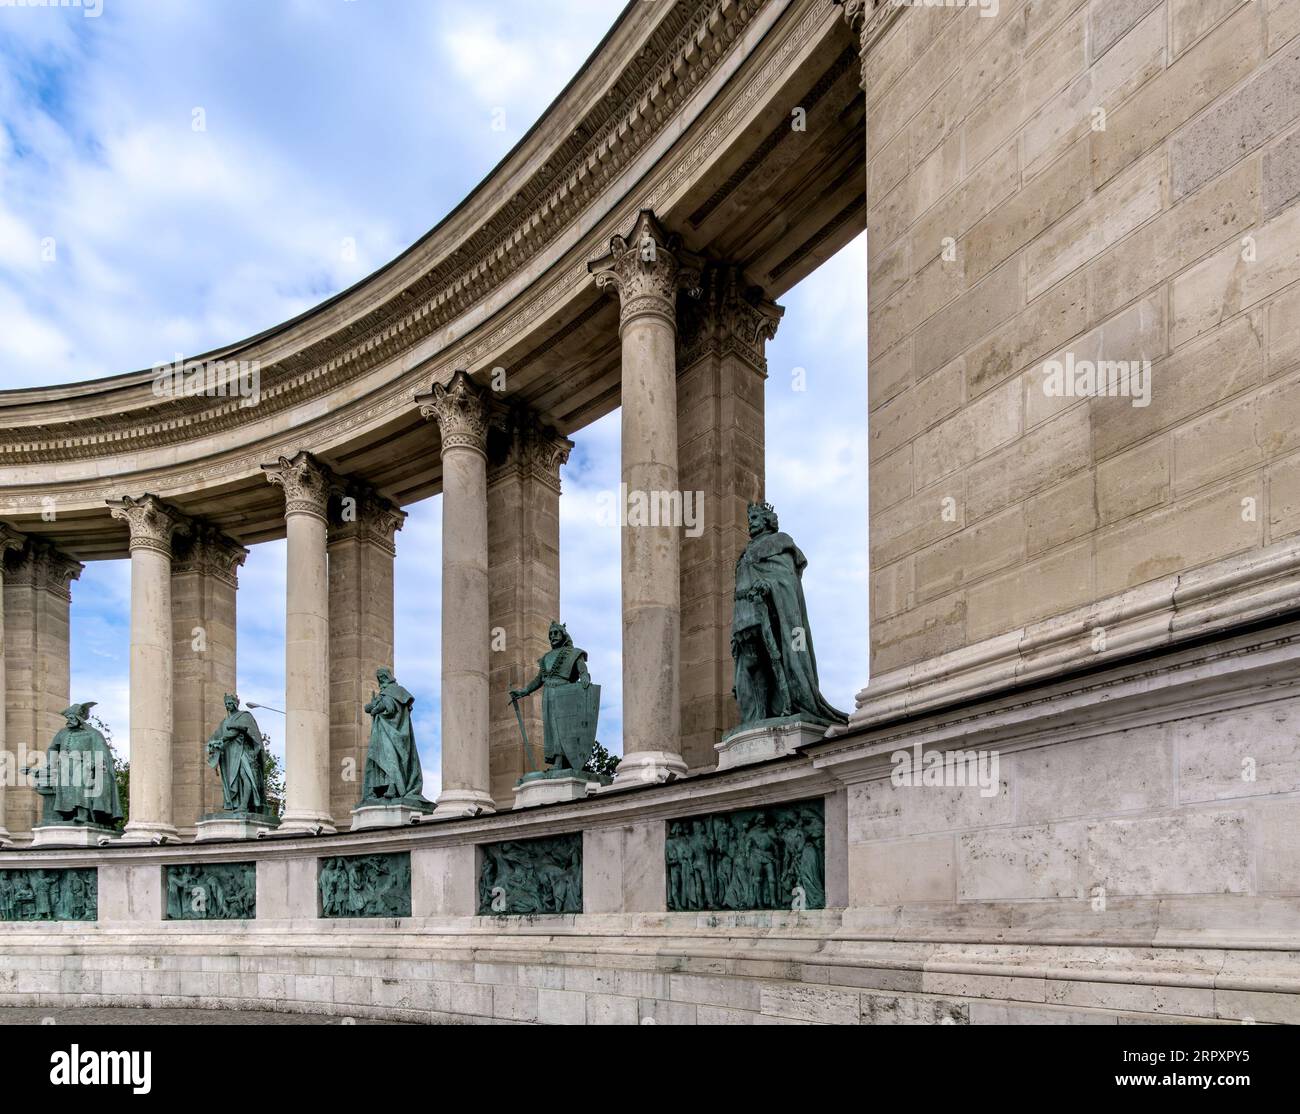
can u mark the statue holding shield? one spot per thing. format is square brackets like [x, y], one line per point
[570, 708]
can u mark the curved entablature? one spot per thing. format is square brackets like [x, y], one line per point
[684, 109]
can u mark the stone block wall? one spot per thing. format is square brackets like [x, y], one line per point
[1104, 180]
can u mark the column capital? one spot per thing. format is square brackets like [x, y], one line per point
[730, 315]
[645, 269]
[306, 483]
[461, 411]
[10, 539]
[152, 522]
[43, 568]
[368, 516]
[210, 553]
[534, 451]
[868, 20]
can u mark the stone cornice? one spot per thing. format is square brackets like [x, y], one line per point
[461, 411]
[152, 522]
[645, 269]
[683, 48]
[717, 124]
[307, 484]
[209, 553]
[42, 567]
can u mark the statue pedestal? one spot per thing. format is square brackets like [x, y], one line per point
[234, 825]
[545, 788]
[72, 835]
[761, 742]
[389, 814]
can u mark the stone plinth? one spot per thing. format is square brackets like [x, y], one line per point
[545, 788]
[72, 835]
[389, 814]
[234, 825]
[765, 741]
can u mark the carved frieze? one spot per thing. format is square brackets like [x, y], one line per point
[366, 886]
[211, 892]
[49, 895]
[524, 877]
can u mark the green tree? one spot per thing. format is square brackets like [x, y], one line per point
[274, 780]
[602, 763]
[121, 770]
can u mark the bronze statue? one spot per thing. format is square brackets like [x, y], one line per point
[776, 669]
[77, 783]
[393, 770]
[570, 705]
[237, 752]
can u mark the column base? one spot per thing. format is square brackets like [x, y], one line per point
[6, 840]
[149, 833]
[455, 803]
[306, 823]
[648, 767]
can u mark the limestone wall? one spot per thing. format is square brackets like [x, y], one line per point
[1101, 179]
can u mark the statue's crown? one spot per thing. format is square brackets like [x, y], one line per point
[762, 507]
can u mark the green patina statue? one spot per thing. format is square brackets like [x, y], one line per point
[77, 783]
[776, 669]
[49, 895]
[212, 892]
[771, 858]
[366, 886]
[570, 707]
[237, 752]
[531, 876]
[393, 773]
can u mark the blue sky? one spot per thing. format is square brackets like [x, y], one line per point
[176, 176]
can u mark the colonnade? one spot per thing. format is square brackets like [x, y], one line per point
[693, 365]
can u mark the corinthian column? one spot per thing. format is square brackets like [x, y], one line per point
[645, 270]
[9, 539]
[152, 524]
[306, 485]
[461, 412]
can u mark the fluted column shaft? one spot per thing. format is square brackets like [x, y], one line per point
[152, 524]
[461, 413]
[646, 269]
[306, 644]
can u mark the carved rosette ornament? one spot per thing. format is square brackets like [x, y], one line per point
[536, 452]
[306, 484]
[645, 269]
[366, 515]
[210, 553]
[730, 315]
[461, 411]
[152, 522]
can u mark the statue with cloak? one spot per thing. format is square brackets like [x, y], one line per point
[237, 752]
[771, 643]
[393, 774]
[78, 784]
[570, 706]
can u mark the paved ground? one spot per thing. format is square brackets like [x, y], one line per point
[37, 1015]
